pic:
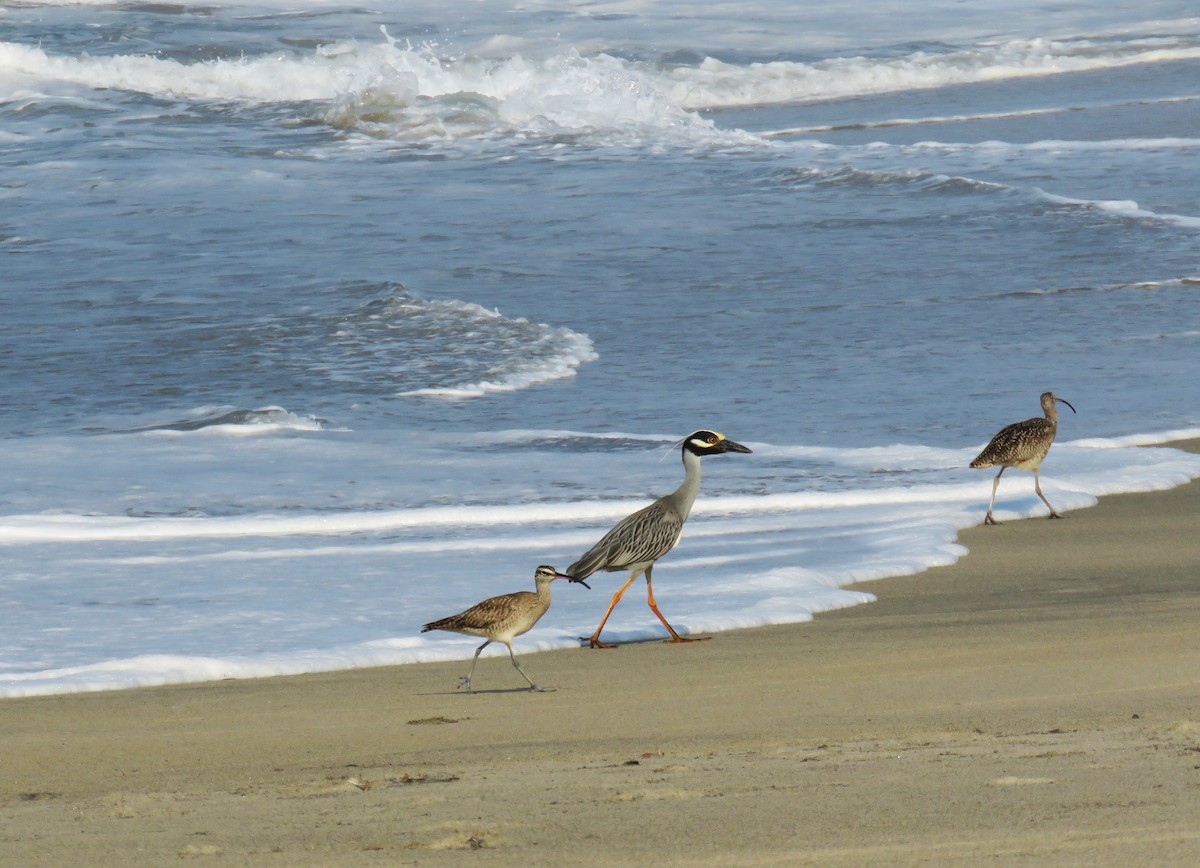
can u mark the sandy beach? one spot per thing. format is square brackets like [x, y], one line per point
[1036, 703]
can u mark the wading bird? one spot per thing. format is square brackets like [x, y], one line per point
[1023, 445]
[503, 618]
[640, 539]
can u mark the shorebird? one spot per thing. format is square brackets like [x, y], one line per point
[1023, 445]
[503, 618]
[640, 539]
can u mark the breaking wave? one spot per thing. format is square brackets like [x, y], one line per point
[435, 93]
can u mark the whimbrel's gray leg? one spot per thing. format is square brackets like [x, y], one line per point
[1038, 488]
[465, 681]
[987, 519]
[532, 686]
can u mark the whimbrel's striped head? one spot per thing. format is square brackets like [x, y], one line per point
[1048, 399]
[546, 574]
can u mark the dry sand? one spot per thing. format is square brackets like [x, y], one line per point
[1036, 703]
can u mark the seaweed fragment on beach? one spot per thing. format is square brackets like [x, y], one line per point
[435, 721]
[423, 779]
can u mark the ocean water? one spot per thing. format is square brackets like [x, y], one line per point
[319, 322]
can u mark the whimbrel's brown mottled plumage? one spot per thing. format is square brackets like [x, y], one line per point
[502, 619]
[1023, 445]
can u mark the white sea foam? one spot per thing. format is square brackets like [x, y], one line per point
[563, 351]
[1108, 144]
[275, 78]
[238, 422]
[433, 347]
[1117, 208]
[717, 84]
[1125, 209]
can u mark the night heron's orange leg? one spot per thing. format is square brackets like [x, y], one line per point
[593, 641]
[675, 637]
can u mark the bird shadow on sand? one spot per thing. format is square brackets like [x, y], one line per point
[646, 640]
[486, 690]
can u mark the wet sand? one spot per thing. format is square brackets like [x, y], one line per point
[1036, 703]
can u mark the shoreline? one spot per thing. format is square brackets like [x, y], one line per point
[164, 647]
[1036, 701]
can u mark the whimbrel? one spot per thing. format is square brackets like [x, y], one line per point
[640, 539]
[502, 619]
[1023, 445]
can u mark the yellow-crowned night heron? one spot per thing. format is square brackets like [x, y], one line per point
[640, 539]
[1023, 445]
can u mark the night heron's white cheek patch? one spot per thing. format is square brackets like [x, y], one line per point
[708, 443]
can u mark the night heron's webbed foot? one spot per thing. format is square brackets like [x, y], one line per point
[593, 642]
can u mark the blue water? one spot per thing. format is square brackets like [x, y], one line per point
[500, 259]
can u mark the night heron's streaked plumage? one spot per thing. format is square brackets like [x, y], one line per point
[640, 539]
[1023, 445]
[502, 619]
